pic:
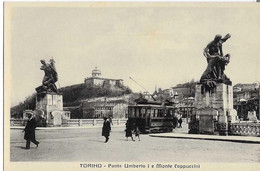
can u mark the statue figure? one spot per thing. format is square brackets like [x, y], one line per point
[49, 79]
[214, 72]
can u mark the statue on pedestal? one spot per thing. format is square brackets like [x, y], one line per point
[214, 72]
[49, 79]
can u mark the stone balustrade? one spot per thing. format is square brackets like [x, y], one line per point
[18, 122]
[73, 122]
[245, 129]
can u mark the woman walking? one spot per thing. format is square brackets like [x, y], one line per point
[137, 131]
[106, 129]
[128, 130]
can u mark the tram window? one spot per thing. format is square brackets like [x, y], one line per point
[155, 113]
[163, 113]
[142, 112]
[148, 112]
[169, 112]
[136, 112]
[132, 112]
[152, 112]
[159, 113]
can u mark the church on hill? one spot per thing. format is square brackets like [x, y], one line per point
[97, 80]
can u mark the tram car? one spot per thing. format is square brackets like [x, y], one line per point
[152, 117]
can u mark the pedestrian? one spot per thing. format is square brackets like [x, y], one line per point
[106, 129]
[180, 122]
[110, 120]
[29, 130]
[128, 130]
[137, 131]
[175, 122]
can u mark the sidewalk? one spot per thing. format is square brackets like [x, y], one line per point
[182, 133]
[67, 127]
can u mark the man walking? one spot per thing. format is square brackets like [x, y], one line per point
[29, 130]
[106, 129]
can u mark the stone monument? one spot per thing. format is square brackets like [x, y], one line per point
[214, 94]
[49, 103]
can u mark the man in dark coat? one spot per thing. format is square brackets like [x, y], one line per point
[180, 122]
[29, 130]
[128, 130]
[106, 129]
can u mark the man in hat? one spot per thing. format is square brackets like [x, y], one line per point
[29, 130]
[106, 129]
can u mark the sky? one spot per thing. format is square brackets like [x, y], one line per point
[157, 46]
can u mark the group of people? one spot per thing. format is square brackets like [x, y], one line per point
[130, 129]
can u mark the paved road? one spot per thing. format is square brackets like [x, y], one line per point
[81, 145]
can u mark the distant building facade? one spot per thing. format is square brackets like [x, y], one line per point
[246, 87]
[182, 92]
[246, 100]
[103, 109]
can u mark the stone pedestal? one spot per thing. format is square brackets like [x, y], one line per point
[51, 107]
[213, 110]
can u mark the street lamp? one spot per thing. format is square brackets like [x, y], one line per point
[189, 102]
[258, 99]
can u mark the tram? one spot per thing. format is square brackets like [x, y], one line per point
[152, 116]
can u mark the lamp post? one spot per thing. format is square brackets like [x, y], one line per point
[189, 102]
[258, 99]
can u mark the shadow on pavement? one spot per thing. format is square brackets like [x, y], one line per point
[21, 147]
[97, 141]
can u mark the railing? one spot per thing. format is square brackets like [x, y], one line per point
[18, 122]
[245, 129]
[73, 122]
[89, 122]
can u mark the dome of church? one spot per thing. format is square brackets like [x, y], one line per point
[96, 72]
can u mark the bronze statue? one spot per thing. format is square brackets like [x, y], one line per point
[214, 72]
[49, 79]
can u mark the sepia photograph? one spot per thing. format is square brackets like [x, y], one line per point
[131, 86]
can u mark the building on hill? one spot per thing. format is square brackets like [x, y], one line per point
[246, 87]
[182, 92]
[96, 80]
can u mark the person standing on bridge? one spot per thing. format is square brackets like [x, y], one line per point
[180, 122]
[106, 129]
[29, 130]
[137, 131]
[128, 130]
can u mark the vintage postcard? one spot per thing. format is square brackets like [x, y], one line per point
[131, 86]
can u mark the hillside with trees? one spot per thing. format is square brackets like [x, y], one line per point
[72, 96]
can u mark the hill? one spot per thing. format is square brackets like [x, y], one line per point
[72, 96]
